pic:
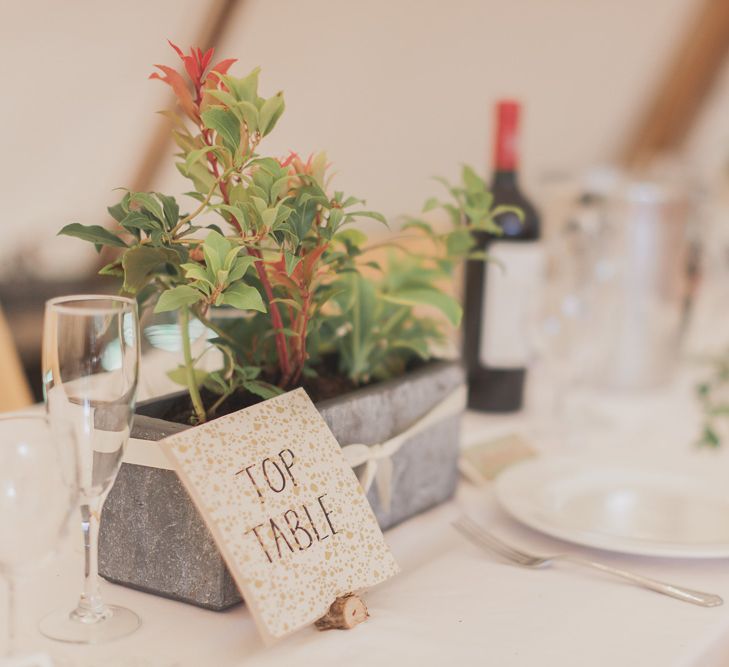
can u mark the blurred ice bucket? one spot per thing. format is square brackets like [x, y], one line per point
[642, 273]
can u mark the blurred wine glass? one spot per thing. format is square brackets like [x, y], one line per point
[38, 493]
[90, 375]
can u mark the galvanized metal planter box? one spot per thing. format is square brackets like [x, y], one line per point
[153, 539]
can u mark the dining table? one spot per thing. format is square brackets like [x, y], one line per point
[453, 603]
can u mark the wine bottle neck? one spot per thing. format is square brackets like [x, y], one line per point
[505, 179]
[506, 140]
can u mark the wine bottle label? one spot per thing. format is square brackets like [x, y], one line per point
[512, 274]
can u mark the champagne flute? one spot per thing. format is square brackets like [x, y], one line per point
[38, 493]
[90, 373]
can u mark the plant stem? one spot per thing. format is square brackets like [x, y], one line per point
[203, 204]
[218, 403]
[304, 322]
[197, 403]
[276, 320]
[213, 161]
[214, 327]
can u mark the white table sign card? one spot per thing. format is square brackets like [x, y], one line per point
[285, 509]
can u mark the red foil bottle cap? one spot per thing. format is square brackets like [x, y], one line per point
[506, 141]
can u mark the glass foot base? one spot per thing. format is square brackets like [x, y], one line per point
[65, 626]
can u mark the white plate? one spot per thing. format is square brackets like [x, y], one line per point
[631, 511]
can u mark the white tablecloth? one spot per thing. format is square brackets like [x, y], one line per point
[452, 604]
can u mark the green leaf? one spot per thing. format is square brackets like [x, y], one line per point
[418, 224]
[196, 195]
[178, 297]
[112, 269]
[118, 211]
[472, 180]
[223, 96]
[171, 209]
[240, 267]
[226, 124]
[199, 154]
[280, 187]
[459, 242]
[135, 220]
[245, 88]
[142, 262]
[215, 249]
[262, 389]
[428, 297]
[231, 257]
[195, 271]
[244, 297]
[709, 437]
[201, 178]
[260, 203]
[270, 112]
[430, 204]
[352, 237]
[179, 376]
[148, 203]
[283, 214]
[505, 208]
[291, 261]
[268, 217]
[288, 302]
[335, 218]
[361, 313]
[351, 201]
[368, 214]
[249, 114]
[95, 234]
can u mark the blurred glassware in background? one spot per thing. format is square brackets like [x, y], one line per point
[643, 284]
[38, 493]
[162, 349]
[613, 309]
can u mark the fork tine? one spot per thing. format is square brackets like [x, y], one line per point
[468, 533]
[466, 528]
[492, 538]
[477, 534]
[485, 544]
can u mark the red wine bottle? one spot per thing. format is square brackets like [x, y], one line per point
[500, 291]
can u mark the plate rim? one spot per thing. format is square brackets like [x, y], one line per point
[586, 538]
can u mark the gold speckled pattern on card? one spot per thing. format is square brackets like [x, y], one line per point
[285, 509]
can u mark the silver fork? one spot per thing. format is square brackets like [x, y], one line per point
[482, 538]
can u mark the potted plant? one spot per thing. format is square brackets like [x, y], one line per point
[310, 307]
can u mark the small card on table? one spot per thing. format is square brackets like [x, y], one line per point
[284, 508]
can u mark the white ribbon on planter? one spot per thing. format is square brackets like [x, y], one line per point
[377, 458]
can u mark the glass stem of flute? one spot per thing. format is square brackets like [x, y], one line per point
[11, 618]
[91, 598]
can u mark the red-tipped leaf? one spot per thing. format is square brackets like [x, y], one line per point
[182, 92]
[205, 59]
[176, 48]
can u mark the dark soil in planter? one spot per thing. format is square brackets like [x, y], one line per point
[326, 385]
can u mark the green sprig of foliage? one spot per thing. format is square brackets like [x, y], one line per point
[712, 396]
